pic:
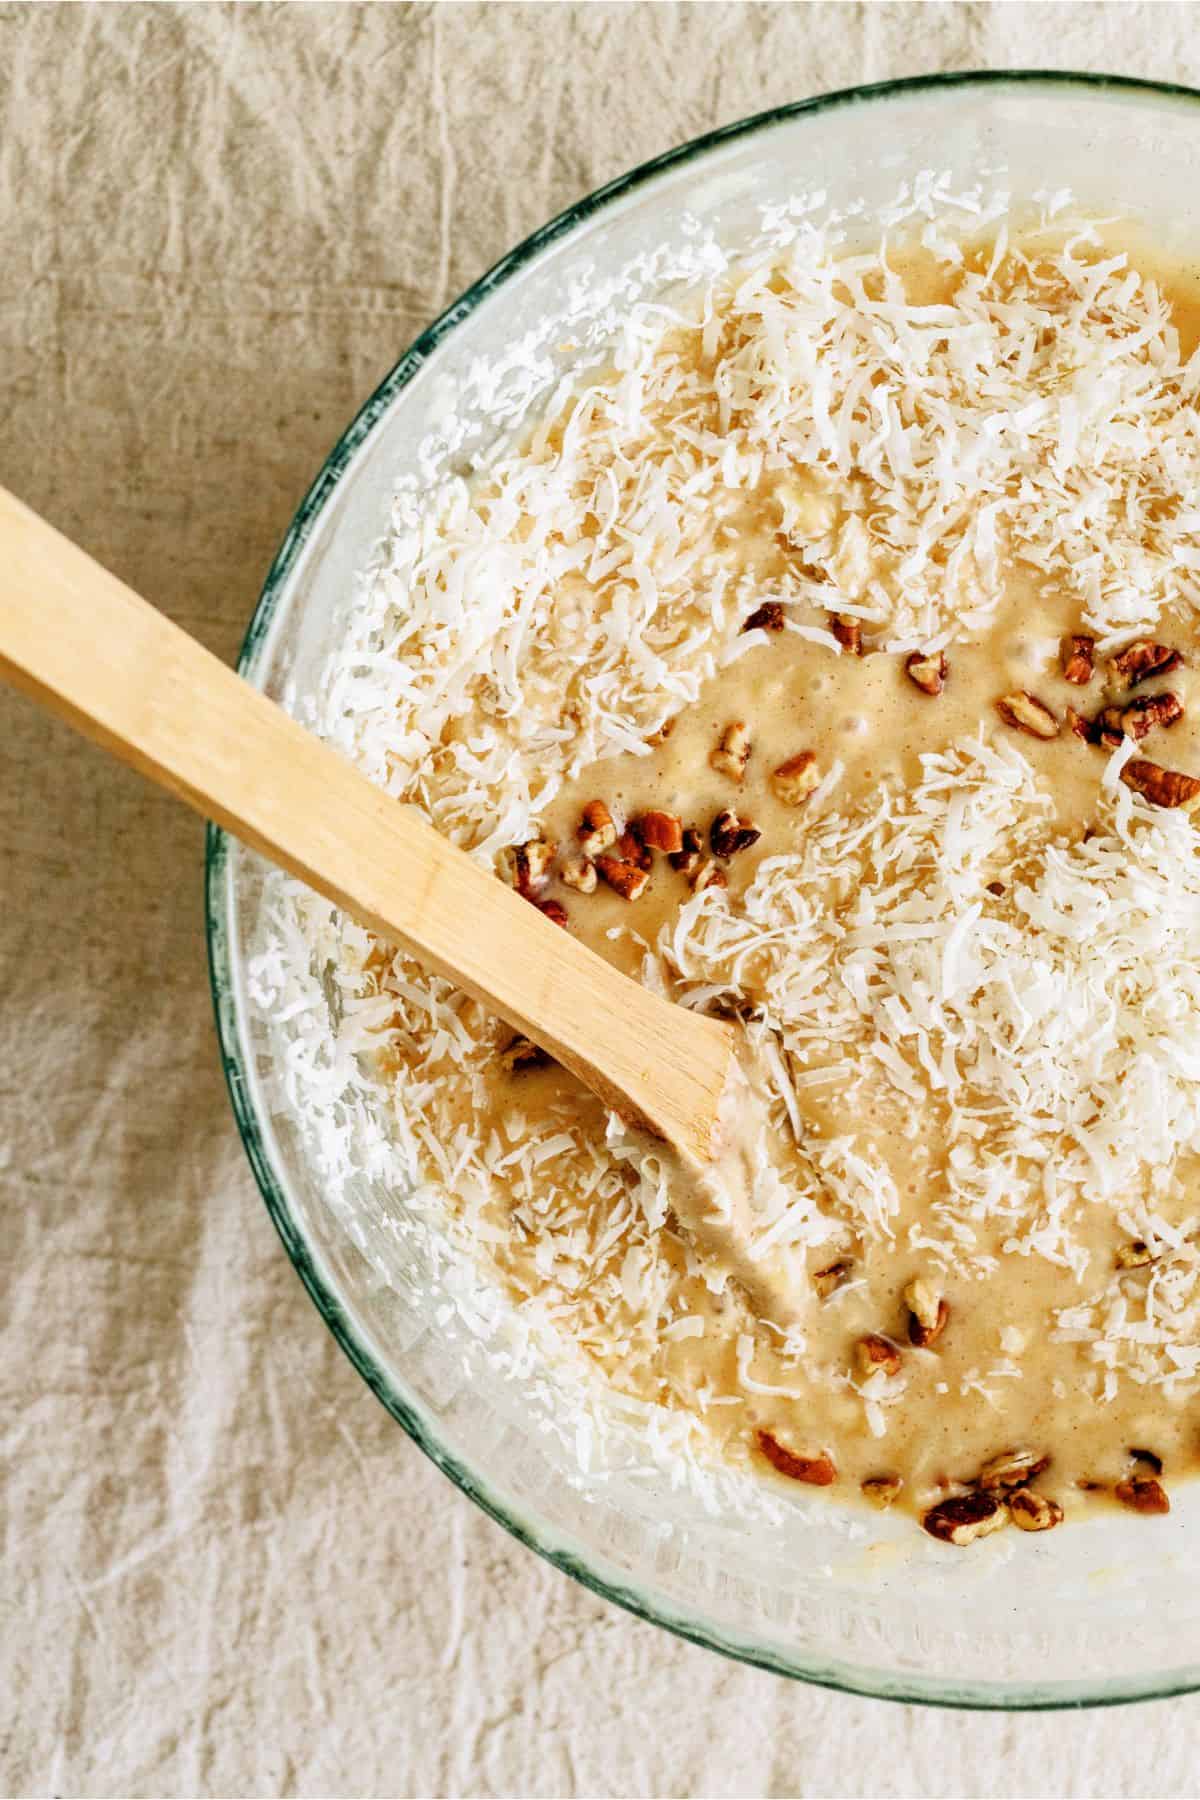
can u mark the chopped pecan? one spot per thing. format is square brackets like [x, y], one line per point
[733, 752]
[688, 857]
[580, 874]
[625, 878]
[922, 1336]
[881, 1490]
[848, 633]
[927, 672]
[1012, 1468]
[1142, 1493]
[707, 875]
[728, 834]
[927, 1313]
[965, 1518]
[554, 910]
[1025, 712]
[828, 1280]
[875, 1352]
[530, 865]
[1135, 720]
[520, 1055]
[1140, 660]
[1107, 728]
[1033, 1512]
[597, 829]
[1134, 1255]
[817, 1471]
[794, 780]
[630, 848]
[767, 617]
[1151, 1458]
[1139, 717]
[997, 888]
[1078, 660]
[1161, 787]
[659, 831]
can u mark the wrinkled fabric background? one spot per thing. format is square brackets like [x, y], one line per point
[223, 1570]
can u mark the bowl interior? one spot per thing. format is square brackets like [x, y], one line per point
[1100, 1613]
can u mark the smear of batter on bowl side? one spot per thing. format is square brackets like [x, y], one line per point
[828, 660]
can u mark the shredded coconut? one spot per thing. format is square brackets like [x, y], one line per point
[577, 592]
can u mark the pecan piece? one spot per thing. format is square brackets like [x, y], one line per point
[625, 878]
[728, 834]
[1135, 719]
[688, 857]
[965, 1518]
[1140, 660]
[733, 752]
[1142, 1493]
[817, 1471]
[922, 1336]
[927, 1313]
[875, 1352]
[1134, 1255]
[1025, 712]
[1107, 728]
[519, 1055]
[630, 848]
[580, 874]
[767, 617]
[530, 866]
[1078, 660]
[597, 829]
[1087, 729]
[1151, 1458]
[794, 780]
[1033, 1512]
[1012, 1468]
[659, 831]
[881, 1490]
[1152, 710]
[1161, 787]
[707, 875]
[828, 1280]
[848, 633]
[554, 910]
[928, 672]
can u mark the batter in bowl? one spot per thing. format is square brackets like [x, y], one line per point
[827, 658]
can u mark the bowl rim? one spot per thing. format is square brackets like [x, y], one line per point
[872, 1682]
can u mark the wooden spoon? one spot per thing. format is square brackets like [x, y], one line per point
[89, 649]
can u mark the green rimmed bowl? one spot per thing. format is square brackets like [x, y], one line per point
[1104, 1612]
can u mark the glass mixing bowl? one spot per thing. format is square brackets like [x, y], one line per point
[1104, 1611]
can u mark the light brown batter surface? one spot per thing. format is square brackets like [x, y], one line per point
[969, 1152]
[997, 1377]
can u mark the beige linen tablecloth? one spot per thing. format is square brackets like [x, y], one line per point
[225, 1570]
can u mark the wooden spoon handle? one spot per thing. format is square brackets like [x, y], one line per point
[88, 648]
